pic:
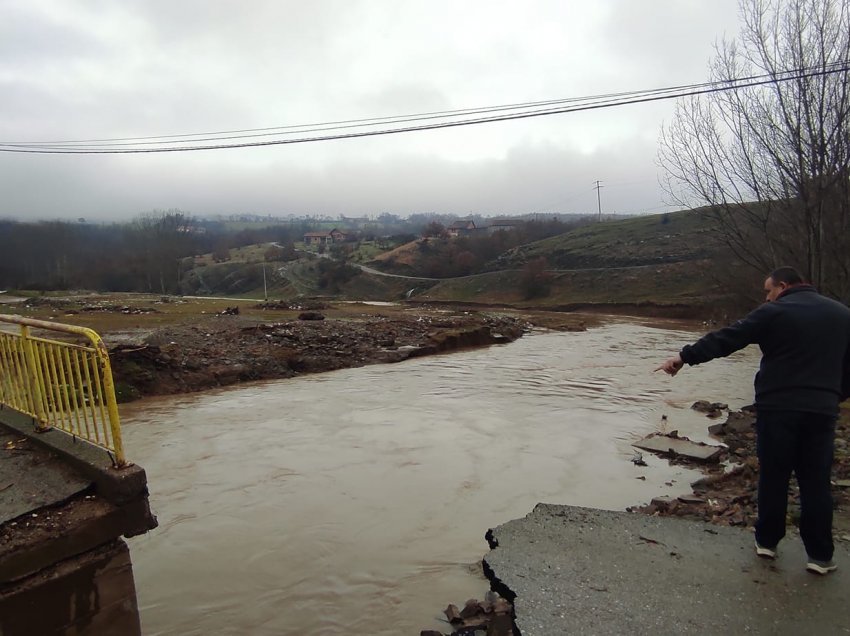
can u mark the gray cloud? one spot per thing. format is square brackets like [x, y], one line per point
[112, 69]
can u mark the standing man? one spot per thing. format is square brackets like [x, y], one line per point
[804, 375]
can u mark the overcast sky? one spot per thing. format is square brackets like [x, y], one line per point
[84, 69]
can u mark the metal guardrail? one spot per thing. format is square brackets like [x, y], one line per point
[61, 385]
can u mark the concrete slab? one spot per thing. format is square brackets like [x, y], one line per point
[697, 451]
[90, 462]
[585, 571]
[31, 478]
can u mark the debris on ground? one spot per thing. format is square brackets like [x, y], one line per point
[637, 459]
[727, 495]
[493, 616]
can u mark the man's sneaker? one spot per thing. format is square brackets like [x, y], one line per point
[765, 553]
[821, 567]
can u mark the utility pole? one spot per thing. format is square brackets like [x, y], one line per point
[599, 186]
[265, 289]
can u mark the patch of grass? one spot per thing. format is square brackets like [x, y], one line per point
[675, 283]
[245, 254]
[367, 251]
[645, 240]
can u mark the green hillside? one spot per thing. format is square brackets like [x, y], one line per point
[645, 240]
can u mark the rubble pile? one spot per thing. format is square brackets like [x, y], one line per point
[727, 495]
[490, 617]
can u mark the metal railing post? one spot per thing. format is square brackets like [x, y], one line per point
[34, 380]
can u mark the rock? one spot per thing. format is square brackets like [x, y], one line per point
[452, 614]
[717, 429]
[661, 503]
[707, 407]
[739, 421]
[471, 608]
[430, 632]
[310, 315]
[711, 409]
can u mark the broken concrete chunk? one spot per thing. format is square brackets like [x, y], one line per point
[661, 502]
[691, 499]
[680, 447]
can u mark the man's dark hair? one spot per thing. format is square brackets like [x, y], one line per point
[787, 275]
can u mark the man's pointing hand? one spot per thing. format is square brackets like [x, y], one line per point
[672, 365]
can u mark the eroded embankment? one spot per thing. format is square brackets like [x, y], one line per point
[223, 350]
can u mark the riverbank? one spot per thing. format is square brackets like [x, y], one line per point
[726, 496]
[162, 345]
[228, 348]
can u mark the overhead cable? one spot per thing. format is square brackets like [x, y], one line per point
[305, 133]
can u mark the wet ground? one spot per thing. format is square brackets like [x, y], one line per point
[583, 571]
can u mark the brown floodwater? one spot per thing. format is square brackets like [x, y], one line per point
[356, 501]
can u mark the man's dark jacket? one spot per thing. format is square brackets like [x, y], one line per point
[805, 343]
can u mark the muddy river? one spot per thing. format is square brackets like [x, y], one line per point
[356, 502]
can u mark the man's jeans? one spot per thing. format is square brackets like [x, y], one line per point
[803, 443]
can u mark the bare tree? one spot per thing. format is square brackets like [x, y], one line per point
[772, 162]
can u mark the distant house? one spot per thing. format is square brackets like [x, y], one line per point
[502, 226]
[316, 238]
[338, 236]
[461, 228]
[325, 238]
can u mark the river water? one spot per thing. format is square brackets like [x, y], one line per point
[356, 501]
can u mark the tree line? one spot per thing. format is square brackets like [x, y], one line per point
[149, 254]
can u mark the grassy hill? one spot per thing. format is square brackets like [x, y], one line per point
[645, 240]
[655, 288]
[659, 264]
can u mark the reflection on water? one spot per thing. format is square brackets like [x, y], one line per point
[356, 502]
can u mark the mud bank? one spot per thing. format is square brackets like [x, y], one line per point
[226, 349]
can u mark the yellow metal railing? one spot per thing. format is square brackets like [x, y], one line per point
[60, 384]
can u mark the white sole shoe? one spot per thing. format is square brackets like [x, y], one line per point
[821, 567]
[765, 553]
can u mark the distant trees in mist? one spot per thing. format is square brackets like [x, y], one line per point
[149, 254]
[155, 253]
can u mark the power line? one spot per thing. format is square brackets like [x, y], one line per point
[460, 117]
